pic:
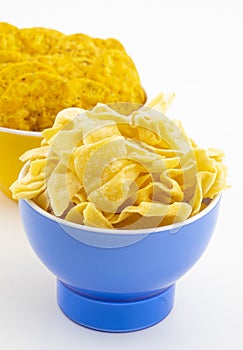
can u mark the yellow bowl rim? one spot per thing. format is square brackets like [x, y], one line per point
[20, 132]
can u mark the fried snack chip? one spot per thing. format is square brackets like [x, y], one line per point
[21, 102]
[114, 64]
[94, 70]
[84, 93]
[162, 102]
[87, 214]
[80, 45]
[105, 169]
[15, 70]
[39, 41]
[11, 42]
[110, 43]
[69, 67]
[33, 181]
[7, 28]
[111, 69]
[8, 56]
[9, 37]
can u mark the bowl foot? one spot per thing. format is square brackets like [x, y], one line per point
[114, 316]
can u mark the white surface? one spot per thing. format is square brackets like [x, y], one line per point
[195, 49]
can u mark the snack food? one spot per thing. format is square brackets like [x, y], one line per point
[106, 169]
[92, 70]
[31, 100]
[10, 72]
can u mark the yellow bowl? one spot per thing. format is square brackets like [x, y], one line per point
[13, 143]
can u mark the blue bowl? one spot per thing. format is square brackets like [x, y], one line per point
[117, 281]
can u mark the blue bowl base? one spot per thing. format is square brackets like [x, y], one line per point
[114, 316]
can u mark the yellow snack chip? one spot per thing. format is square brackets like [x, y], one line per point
[62, 185]
[86, 213]
[105, 169]
[92, 71]
[8, 56]
[84, 93]
[35, 153]
[10, 41]
[15, 70]
[110, 196]
[80, 45]
[162, 102]
[33, 183]
[6, 28]
[79, 197]
[116, 70]
[69, 67]
[110, 43]
[21, 102]
[39, 40]
[42, 200]
[83, 155]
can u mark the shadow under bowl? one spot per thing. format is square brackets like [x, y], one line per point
[117, 281]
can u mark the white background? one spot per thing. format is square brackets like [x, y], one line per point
[193, 48]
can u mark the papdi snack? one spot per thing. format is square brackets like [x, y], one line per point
[105, 169]
[82, 70]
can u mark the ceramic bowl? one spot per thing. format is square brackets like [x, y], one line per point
[117, 281]
[13, 143]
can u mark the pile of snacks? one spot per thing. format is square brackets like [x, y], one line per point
[43, 71]
[105, 169]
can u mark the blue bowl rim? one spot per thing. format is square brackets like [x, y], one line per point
[173, 227]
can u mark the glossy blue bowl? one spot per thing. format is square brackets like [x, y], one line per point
[117, 281]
